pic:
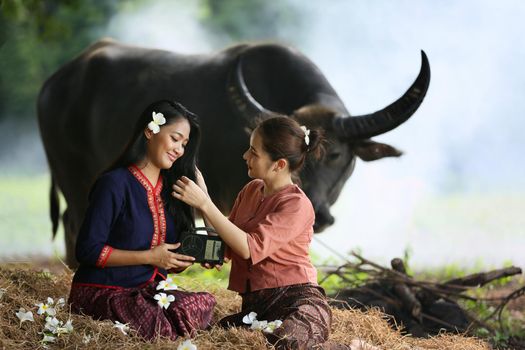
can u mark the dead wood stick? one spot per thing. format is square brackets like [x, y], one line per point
[480, 279]
[408, 300]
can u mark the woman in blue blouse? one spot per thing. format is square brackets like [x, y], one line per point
[131, 225]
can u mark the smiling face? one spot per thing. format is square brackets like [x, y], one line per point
[166, 146]
[258, 161]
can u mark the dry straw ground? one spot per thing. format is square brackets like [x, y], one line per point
[24, 286]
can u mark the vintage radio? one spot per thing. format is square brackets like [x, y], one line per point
[204, 248]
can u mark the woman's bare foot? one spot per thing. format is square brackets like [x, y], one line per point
[359, 344]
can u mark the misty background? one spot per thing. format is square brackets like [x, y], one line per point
[455, 197]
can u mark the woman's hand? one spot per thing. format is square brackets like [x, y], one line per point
[209, 266]
[199, 179]
[162, 257]
[190, 193]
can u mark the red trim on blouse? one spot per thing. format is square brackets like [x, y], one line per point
[104, 255]
[155, 204]
[80, 284]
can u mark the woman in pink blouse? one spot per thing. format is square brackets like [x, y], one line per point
[268, 233]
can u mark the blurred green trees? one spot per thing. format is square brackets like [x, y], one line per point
[38, 36]
[250, 20]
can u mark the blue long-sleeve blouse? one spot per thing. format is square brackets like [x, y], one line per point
[125, 212]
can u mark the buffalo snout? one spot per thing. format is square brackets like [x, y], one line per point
[323, 218]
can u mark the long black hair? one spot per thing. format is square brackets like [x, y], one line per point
[135, 151]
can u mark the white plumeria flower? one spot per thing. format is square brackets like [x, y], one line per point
[48, 339]
[187, 345]
[164, 300]
[158, 120]
[167, 284]
[24, 315]
[272, 326]
[123, 327]
[306, 134]
[46, 308]
[61, 302]
[52, 324]
[248, 319]
[86, 338]
[67, 328]
[259, 325]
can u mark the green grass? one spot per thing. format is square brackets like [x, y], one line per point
[25, 225]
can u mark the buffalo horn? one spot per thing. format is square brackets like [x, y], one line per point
[366, 126]
[242, 101]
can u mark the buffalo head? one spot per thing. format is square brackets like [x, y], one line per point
[348, 136]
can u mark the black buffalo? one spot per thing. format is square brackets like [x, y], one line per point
[87, 109]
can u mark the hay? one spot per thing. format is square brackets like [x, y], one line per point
[24, 287]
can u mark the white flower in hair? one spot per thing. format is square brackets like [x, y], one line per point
[158, 120]
[306, 134]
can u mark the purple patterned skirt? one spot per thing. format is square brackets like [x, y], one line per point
[302, 308]
[137, 307]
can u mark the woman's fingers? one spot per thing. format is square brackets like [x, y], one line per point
[182, 257]
[172, 246]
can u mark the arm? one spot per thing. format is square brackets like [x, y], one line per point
[199, 180]
[160, 256]
[190, 193]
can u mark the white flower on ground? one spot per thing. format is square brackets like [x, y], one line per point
[272, 326]
[123, 327]
[61, 302]
[48, 339]
[187, 345]
[67, 328]
[86, 338]
[24, 315]
[167, 284]
[52, 324]
[248, 319]
[259, 325]
[46, 308]
[164, 300]
[158, 120]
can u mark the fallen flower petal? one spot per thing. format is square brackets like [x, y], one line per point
[48, 339]
[187, 345]
[248, 319]
[24, 315]
[123, 327]
[259, 325]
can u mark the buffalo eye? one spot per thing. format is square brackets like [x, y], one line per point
[334, 156]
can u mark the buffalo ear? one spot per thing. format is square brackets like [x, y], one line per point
[370, 150]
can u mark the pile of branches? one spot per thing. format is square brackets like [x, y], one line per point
[421, 308]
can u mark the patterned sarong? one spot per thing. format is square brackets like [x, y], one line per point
[302, 308]
[137, 307]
